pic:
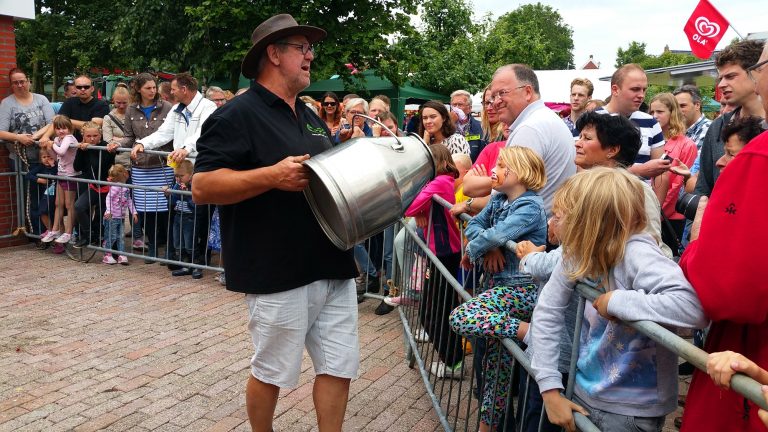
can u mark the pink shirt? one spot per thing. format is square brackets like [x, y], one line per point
[118, 200]
[489, 154]
[680, 147]
[65, 155]
[441, 186]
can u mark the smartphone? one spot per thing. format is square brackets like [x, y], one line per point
[666, 157]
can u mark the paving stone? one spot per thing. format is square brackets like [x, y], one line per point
[131, 349]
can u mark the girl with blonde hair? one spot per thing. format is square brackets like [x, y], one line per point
[623, 379]
[681, 150]
[515, 213]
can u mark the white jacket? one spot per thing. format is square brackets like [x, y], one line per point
[175, 126]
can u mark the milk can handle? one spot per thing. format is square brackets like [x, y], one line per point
[396, 147]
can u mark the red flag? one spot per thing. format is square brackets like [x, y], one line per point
[704, 29]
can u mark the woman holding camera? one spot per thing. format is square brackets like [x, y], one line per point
[678, 148]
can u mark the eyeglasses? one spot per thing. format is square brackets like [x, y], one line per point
[82, 87]
[503, 93]
[303, 47]
[757, 67]
[219, 100]
[19, 82]
[329, 104]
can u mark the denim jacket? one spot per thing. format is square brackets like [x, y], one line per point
[522, 219]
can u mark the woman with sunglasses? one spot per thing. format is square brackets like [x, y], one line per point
[330, 111]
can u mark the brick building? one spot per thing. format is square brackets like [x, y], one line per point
[10, 11]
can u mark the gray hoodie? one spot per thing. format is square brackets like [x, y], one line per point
[620, 370]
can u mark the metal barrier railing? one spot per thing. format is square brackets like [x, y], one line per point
[456, 409]
[146, 240]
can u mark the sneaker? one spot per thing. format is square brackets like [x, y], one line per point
[49, 236]
[383, 308]
[223, 279]
[372, 285]
[400, 300]
[421, 336]
[122, 259]
[139, 244]
[81, 242]
[64, 238]
[360, 284]
[440, 370]
[108, 259]
[58, 248]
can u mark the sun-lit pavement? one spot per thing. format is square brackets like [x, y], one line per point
[88, 347]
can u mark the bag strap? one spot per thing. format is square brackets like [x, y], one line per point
[117, 122]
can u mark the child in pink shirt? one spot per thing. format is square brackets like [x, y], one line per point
[65, 190]
[118, 201]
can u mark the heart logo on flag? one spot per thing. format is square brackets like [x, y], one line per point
[706, 27]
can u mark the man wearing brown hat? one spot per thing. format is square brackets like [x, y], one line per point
[299, 288]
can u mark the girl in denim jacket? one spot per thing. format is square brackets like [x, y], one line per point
[516, 213]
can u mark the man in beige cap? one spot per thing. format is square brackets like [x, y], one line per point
[299, 287]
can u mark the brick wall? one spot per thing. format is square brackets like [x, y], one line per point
[8, 211]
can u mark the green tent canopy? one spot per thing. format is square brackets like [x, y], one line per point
[372, 85]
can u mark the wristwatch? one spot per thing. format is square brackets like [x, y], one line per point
[469, 204]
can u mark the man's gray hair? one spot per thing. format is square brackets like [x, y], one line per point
[461, 93]
[211, 90]
[691, 90]
[523, 73]
[355, 102]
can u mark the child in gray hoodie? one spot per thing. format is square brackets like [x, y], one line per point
[623, 379]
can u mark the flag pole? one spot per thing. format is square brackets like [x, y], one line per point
[737, 32]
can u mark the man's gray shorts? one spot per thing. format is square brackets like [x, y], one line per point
[321, 316]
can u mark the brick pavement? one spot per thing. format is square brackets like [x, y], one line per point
[86, 347]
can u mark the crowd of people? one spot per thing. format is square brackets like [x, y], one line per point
[57, 141]
[600, 196]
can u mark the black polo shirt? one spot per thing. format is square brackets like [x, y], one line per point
[271, 242]
[77, 110]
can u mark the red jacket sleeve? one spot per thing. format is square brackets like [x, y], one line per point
[727, 264]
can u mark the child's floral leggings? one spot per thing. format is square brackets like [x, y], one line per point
[496, 314]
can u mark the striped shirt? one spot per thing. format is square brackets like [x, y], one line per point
[651, 136]
[151, 201]
[698, 131]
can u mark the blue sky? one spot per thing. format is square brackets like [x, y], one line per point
[602, 26]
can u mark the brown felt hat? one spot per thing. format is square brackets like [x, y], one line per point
[271, 30]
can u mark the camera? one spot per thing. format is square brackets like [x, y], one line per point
[687, 205]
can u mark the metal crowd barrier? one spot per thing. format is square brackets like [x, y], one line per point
[14, 184]
[430, 291]
[152, 239]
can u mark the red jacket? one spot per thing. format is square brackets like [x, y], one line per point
[727, 267]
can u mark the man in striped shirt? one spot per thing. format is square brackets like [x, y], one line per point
[628, 86]
[689, 99]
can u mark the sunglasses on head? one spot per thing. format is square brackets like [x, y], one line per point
[82, 87]
[329, 103]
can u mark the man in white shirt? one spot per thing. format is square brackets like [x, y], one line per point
[184, 124]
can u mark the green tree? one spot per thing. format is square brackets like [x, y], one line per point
[635, 53]
[443, 55]
[533, 34]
